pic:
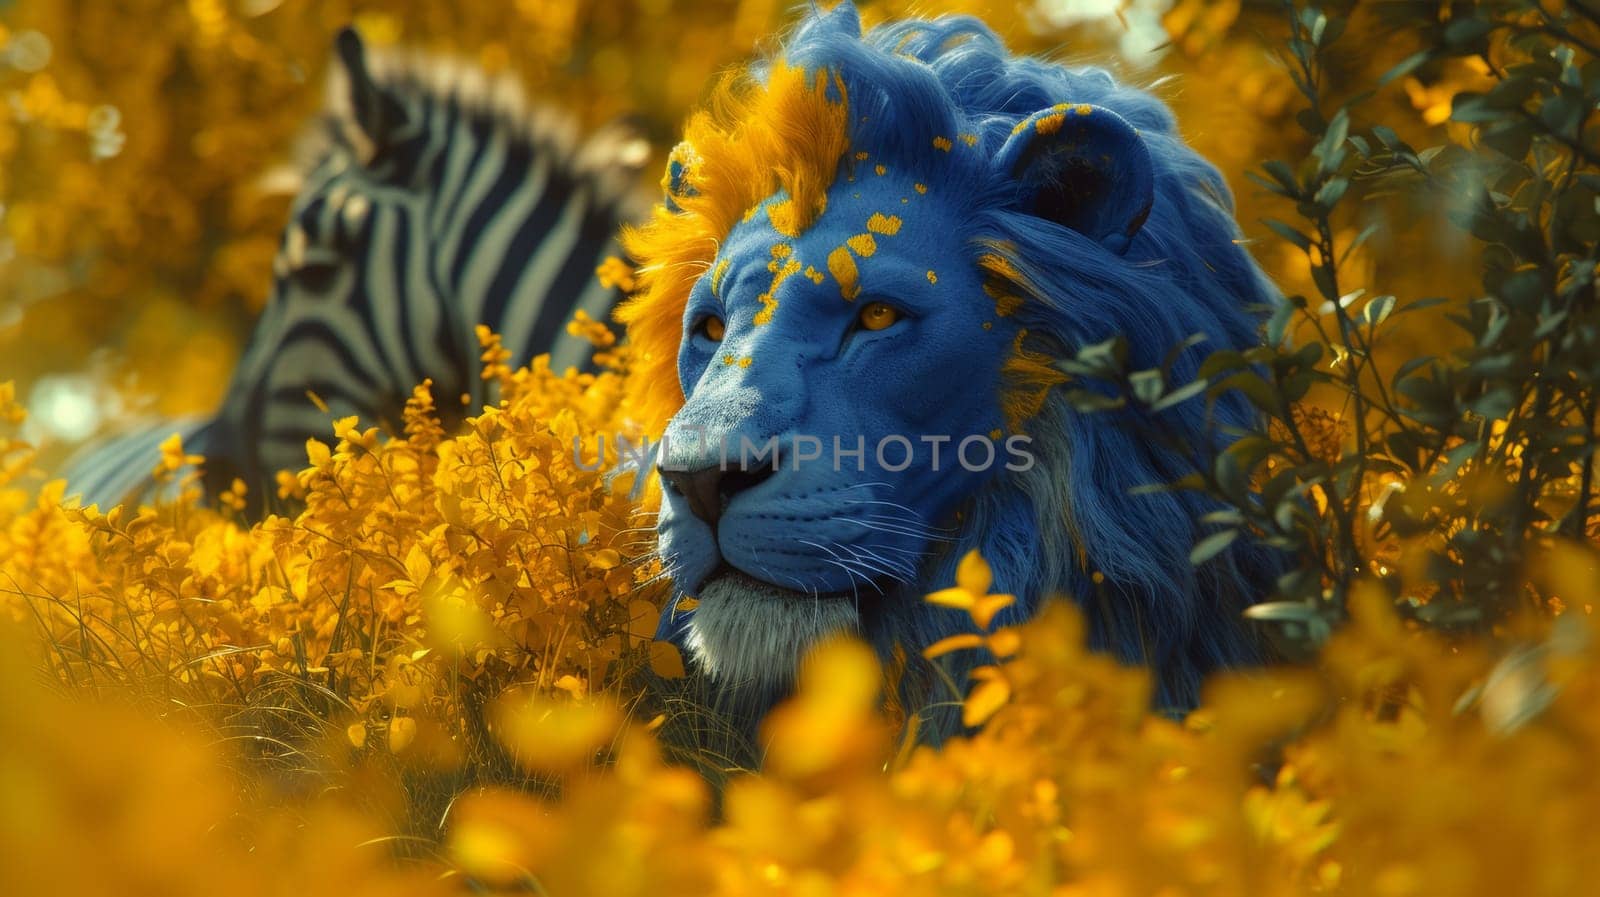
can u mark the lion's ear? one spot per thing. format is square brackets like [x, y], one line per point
[1083, 167]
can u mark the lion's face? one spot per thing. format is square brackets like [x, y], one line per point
[866, 348]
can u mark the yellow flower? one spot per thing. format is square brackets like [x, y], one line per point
[971, 591]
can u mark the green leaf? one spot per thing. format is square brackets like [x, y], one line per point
[1421, 304]
[1403, 68]
[1278, 323]
[1089, 401]
[1465, 33]
[1411, 365]
[1177, 351]
[1331, 192]
[1387, 137]
[1297, 611]
[1283, 174]
[1231, 478]
[1193, 482]
[1221, 361]
[1288, 232]
[1376, 310]
[1329, 149]
[1257, 390]
[1147, 385]
[1211, 546]
[1229, 516]
[1323, 278]
[1248, 451]
[1511, 139]
[1473, 108]
[1181, 394]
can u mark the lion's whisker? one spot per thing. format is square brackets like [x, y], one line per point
[893, 529]
[879, 501]
[844, 565]
[909, 521]
[878, 564]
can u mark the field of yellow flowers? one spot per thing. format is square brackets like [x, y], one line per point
[438, 677]
[421, 684]
[423, 681]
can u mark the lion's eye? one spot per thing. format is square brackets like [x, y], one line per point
[878, 315]
[713, 328]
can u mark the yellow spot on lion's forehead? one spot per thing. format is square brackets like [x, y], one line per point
[843, 269]
[781, 250]
[862, 245]
[942, 143]
[888, 225]
[862, 156]
[814, 275]
[717, 274]
[932, 277]
[969, 139]
[1050, 124]
[1058, 112]
[995, 433]
[881, 169]
[769, 299]
[745, 361]
[1083, 109]
[727, 359]
[920, 188]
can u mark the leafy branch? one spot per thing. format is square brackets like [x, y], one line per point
[1443, 476]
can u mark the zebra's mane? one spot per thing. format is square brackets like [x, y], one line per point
[609, 159]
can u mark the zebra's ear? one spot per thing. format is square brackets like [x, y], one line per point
[1083, 167]
[372, 108]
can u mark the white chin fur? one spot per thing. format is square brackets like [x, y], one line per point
[748, 635]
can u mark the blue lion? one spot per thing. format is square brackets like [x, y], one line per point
[873, 250]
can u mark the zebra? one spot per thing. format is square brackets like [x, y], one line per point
[435, 198]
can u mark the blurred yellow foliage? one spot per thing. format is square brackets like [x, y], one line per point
[439, 588]
[417, 563]
[103, 798]
[436, 658]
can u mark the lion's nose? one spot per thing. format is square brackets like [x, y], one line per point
[709, 489]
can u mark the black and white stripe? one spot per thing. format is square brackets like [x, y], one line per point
[435, 198]
[106, 472]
